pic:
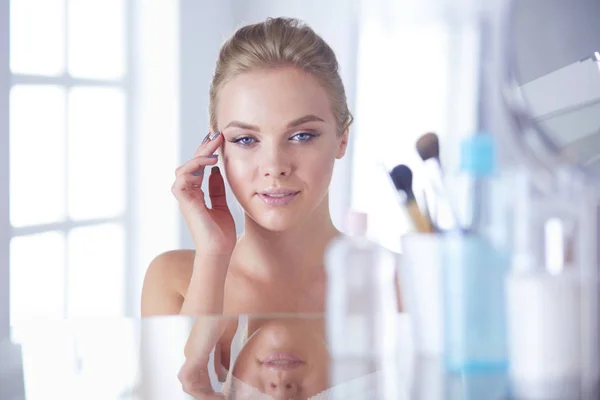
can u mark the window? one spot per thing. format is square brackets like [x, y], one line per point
[69, 136]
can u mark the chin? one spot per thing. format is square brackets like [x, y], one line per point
[278, 221]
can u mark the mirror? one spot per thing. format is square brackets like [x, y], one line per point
[250, 357]
[557, 67]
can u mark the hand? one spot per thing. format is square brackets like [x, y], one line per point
[212, 229]
[194, 375]
[195, 381]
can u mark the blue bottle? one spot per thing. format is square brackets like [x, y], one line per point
[476, 261]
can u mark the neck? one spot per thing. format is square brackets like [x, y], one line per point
[297, 250]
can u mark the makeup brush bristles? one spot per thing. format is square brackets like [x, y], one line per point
[428, 146]
[438, 201]
[402, 177]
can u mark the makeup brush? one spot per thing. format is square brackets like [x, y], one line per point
[428, 147]
[402, 177]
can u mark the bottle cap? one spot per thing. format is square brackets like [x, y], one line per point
[478, 155]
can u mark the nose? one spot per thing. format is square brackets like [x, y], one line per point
[275, 162]
[282, 388]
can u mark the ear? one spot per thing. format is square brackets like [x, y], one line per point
[343, 144]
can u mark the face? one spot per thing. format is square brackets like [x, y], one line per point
[281, 143]
[285, 359]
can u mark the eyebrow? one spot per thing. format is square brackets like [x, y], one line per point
[305, 119]
[292, 124]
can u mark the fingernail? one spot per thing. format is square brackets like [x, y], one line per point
[216, 135]
[213, 156]
[205, 138]
[215, 170]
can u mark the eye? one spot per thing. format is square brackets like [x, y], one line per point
[303, 136]
[244, 141]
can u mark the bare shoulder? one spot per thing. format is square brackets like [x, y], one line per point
[166, 282]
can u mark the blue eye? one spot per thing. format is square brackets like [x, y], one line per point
[245, 141]
[303, 136]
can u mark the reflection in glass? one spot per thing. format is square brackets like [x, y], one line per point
[37, 37]
[283, 358]
[246, 357]
[96, 137]
[475, 386]
[96, 270]
[37, 270]
[49, 366]
[269, 358]
[80, 359]
[96, 39]
[112, 368]
[37, 154]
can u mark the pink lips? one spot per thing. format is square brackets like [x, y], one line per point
[282, 361]
[278, 197]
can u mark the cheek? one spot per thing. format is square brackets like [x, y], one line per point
[247, 384]
[246, 369]
[237, 171]
[317, 383]
[319, 168]
[318, 379]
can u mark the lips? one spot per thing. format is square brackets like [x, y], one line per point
[278, 197]
[282, 361]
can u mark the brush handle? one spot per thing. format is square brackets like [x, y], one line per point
[442, 210]
[421, 223]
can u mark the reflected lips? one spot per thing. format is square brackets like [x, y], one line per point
[282, 361]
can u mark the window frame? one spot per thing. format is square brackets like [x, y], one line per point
[8, 80]
[5, 230]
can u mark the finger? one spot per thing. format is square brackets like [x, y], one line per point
[216, 189]
[206, 138]
[218, 364]
[183, 188]
[196, 164]
[210, 146]
[188, 181]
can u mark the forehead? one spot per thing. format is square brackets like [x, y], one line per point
[272, 97]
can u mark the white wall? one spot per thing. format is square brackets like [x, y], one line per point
[403, 86]
[155, 126]
[204, 26]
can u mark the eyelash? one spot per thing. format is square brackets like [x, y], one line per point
[311, 136]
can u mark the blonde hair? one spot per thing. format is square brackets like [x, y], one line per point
[278, 42]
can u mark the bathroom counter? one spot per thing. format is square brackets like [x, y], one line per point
[110, 359]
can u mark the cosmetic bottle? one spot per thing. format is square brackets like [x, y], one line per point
[361, 309]
[474, 263]
[543, 301]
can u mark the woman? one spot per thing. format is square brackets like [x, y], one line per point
[280, 119]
